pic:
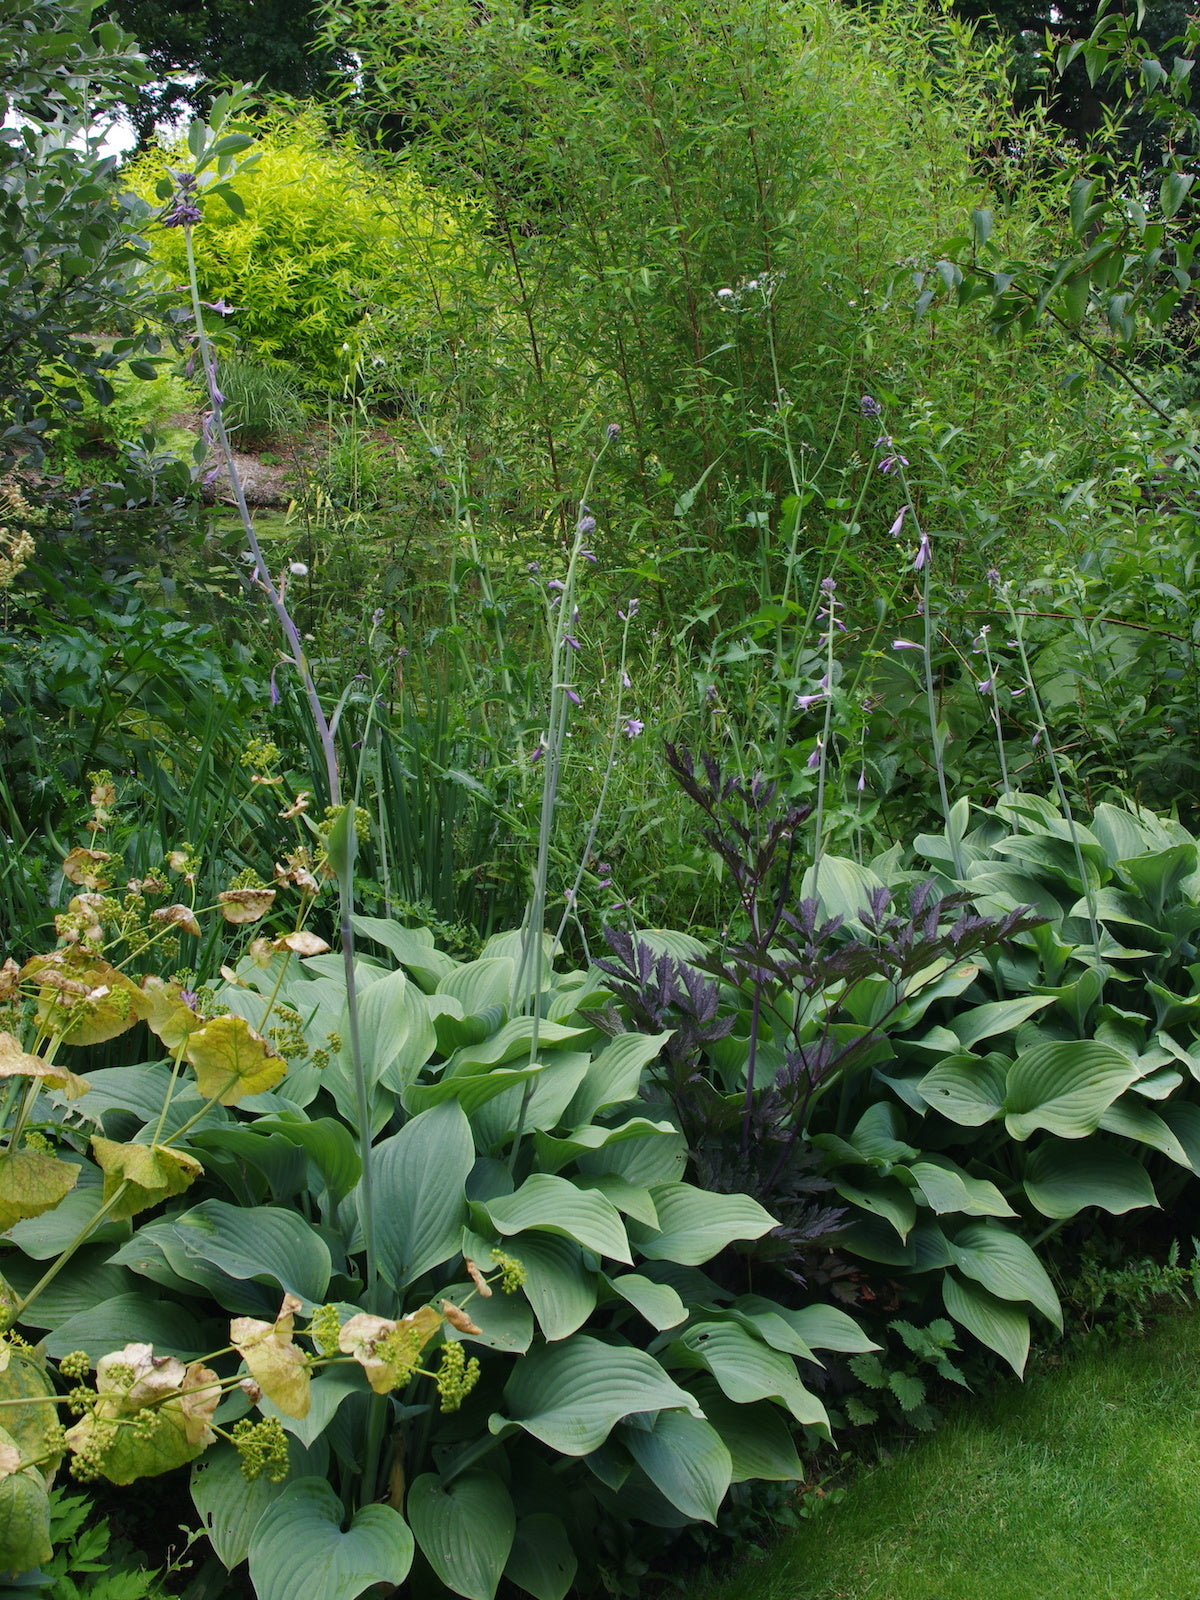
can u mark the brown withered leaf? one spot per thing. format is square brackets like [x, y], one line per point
[182, 916]
[85, 867]
[483, 1287]
[457, 1317]
[81, 998]
[302, 943]
[245, 905]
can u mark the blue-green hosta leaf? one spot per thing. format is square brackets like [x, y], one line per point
[1122, 834]
[883, 1197]
[657, 1302]
[554, 1153]
[477, 985]
[91, 1280]
[229, 1506]
[561, 1074]
[571, 1395]
[841, 887]
[472, 1092]
[130, 1318]
[615, 1074]
[412, 947]
[648, 1162]
[1156, 876]
[948, 1188]
[999, 1016]
[419, 1178]
[1064, 1087]
[773, 1325]
[262, 1245]
[829, 1328]
[299, 1547]
[1182, 1117]
[555, 1205]
[629, 1198]
[879, 1134]
[746, 1368]
[396, 1032]
[876, 1240]
[686, 1459]
[1134, 1119]
[465, 1529]
[757, 1436]
[329, 1145]
[1063, 1178]
[542, 1561]
[326, 1393]
[1004, 1265]
[694, 1225]
[504, 1320]
[999, 1324]
[511, 1043]
[967, 1089]
[559, 1287]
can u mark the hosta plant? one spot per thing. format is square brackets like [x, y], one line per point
[504, 1331]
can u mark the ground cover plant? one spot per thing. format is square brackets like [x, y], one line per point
[486, 1145]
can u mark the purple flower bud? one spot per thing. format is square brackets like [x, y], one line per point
[586, 525]
[923, 553]
[613, 431]
[890, 463]
[275, 695]
[869, 406]
[539, 750]
[993, 577]
[987, 685]
[555, 584]
[828, 586]
[625, 681]
[862, 779]
[804, 701]
[183, 214]
[535, 567]
[572, 697]
[904, 644]
[896, 526]
[814, 760]
[572, 641]
[633, 727]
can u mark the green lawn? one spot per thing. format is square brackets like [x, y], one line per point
[1083, 1482]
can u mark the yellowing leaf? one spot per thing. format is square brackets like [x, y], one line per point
[81, 998]
[388, 1351]
[153, 1172]
[231, 1060]
[279, 1367]
[168, 1013]
[180, 915]
[86, 867]
[30, 1183]
[176, 1403]
[16, 1063]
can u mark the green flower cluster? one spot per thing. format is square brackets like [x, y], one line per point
[512, 1272]
[324, 1329]
[262, 1448]
[455, 1376]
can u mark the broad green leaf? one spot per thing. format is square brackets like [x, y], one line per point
[648, 1162]
[1182, 1117]
[50, 1233]
[999, 1324]
[746, 1368]
[830, 1328]
[757, 1436]
[561, 1074]
[477, 985]
[229, 1505]
[420, 1206]
[555, 1205]
[572, 1394]
[695, 1225]
[299, 1547]
[412, 947]
[1134, 1119]
[326, 1393]
[144, 1173]
[878, 1134]
[1063, 1178]
[92, 1279]
[24, 1518]
[561, 1290]
[465, 1529]
[541, 1560]
[265, 1245]
[1004, 1265]
[130, 1318]
[841, 887]
[967, 1089]
[505, 1321]
[883, 1197]
[1157, 875]
[473, 1092]
[773, 1325]
[948, 1188]
[329, 1145]
[615, 1074]
[396, 1032]
[554, 1153]
[999, 1016]
[231, 1060]
[1064, 1087]
[32, 1182]
[630, 1199]
[686, 1459]
[511, 1043]
[657, 1302]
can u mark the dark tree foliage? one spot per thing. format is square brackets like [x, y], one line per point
[194, 46]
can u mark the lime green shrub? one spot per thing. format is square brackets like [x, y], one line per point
[329, 267]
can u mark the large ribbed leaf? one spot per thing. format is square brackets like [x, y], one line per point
[298, 1546]
[948, 1189]
[883, 1197]
[686, 1459]
[555, 1153]
[1064, 1087]
[746, 1368]
[1005, 1265]
[555, 1205]
[967, 1089]
[658, 1302]
[999, 1324]
[1062, 1178]
[828, 1328]
[561, 1290]
[420, 1206]
[757, 1436]
[571, 1395]
[998, 1016]
[465, 1529]
[1134, 1119]
[694, 1224]
[230, 1506]
[615, 1074]
[215, 1242]
[541, 1560]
